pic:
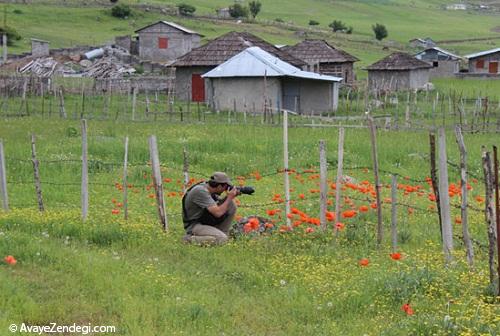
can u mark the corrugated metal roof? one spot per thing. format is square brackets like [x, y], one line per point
[171, 24]
[439, 50]
[255, 62]
[482, 53]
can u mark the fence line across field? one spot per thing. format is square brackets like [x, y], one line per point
[443, 187]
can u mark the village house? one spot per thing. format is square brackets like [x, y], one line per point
[398, 71]
[39, 48]
[164, 41]
[444, 63]
[189, 85]
[254, 80]
[324, 58]
[484, 63]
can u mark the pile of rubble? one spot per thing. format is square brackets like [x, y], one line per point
[99, 63]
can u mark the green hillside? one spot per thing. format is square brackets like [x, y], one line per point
[90, 22]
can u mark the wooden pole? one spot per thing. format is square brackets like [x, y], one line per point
[444, 197]
[323, 184]
[36, 173]
[489, 211]
[62, 109]
[378, 186]
[497, 212]
[434, 179]
[394, 217]
[157, 181]
[134, 102]
[285, 164]
[463, 208]
[3, 179]
[338, 182]
[185, 170]
[85, 172]
[125, 184]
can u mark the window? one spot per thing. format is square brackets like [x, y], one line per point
[480, 64]
[162, 43]
[435, 64]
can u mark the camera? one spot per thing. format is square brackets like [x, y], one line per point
[247, 190]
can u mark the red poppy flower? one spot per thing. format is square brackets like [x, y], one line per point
[364, 262]
[407, 309]
[363, 208]
[349, 214]
[115, 211]
[458, 220]
[10, 260]
[396, 256]
[302, 196]
[339, 226]
[479, 199]
[309, 230]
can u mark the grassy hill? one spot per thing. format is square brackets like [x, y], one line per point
[90, 22]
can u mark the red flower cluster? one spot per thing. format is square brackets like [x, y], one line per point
[407, 309]
[10, 260]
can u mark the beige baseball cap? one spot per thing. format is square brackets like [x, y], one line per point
[220, 177]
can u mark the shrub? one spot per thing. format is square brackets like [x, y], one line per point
[17, 11]
[349, 30]
[238, 11]
[337, 25]
[113, 1]
[380, 31]
[186, 9]
[313, 23]
[12, 34]
[280, 20]
[121, 11]
[254, 7]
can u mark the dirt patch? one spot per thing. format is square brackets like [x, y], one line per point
[496, 29]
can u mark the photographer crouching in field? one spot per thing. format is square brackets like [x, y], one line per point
[207, 217]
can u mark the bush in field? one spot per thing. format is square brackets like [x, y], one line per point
[113, 1]
[337, 25]
[121, 11]
[238, 11]
[186, 9]
[313, 23]
[380, 31]
[12, 34]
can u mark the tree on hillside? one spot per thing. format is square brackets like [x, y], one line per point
[380, 31]
[238, 11]
[254, 7]
[186, 9]
[337, 25]
[12, 34]
[113, 1]
[121, 11]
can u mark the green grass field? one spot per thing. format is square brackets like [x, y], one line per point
[108, 271]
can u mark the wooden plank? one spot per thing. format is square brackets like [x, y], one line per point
[285, 166]
[157, 181]
[444, 198]
[125, 184]
[338, 183]
[323, 184]
[3, 179]
[378, 186]
[434, 179]
[185, 170]
[85, 172]
[36, 173]
[134, 103]
[463, 206]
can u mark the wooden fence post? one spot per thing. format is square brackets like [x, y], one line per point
[373, 137]
[134, 102]
[463, 207]
[62, 109]
[394, 218]
[497, 212]
[338, 182]
[434, 179]
[185, 170]
[285, 164]
[125, 184]
[489, 211]
[36, 173]
[3, 179]
[323, 184]
[85, 172]
[444, 197]
[157, 181]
